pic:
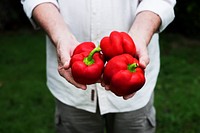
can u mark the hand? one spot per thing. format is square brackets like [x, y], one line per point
[64, 52]
[141, 50]
[142, 55]
[146, 23]
[54, 25]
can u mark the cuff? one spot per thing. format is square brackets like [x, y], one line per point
[29, 5]
[163, 8]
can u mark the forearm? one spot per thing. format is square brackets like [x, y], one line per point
[145, 25]
[48, 17]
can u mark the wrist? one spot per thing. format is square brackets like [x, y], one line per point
[138, 39]
[60, 36]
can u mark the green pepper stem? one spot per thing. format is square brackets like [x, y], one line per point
[89, 59]
[132, 67]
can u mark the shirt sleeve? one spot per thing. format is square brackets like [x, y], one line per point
[163, 8]
[29, 5]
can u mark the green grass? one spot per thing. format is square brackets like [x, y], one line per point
[26, 104]
[177, 91]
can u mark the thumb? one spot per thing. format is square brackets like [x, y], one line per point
[63, 61]
[144, 61]
[143, 58]
[66, 64]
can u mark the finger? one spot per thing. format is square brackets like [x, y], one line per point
[99, 81]
[128, 96]
[66, 65]
[143, 57]
[107, 87]
[67, 75]
[102, 81]
[103, 84]
[144, 61]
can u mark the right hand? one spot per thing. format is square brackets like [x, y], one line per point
[64, 52]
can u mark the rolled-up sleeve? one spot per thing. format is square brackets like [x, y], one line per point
[163, 8]
[29, 5]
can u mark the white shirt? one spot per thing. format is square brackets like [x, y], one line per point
[91, 20]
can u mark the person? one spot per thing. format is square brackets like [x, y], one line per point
[92, 108]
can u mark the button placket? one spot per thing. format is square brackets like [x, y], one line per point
[95, 20]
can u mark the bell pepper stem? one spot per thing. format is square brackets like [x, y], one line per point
[132, 67]
[89, 59]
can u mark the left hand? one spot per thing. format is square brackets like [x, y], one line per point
[141, 50]
[142, 54]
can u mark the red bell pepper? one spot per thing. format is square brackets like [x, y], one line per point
[87, 63]
[124, 75]
[84, 47]
[117, 43]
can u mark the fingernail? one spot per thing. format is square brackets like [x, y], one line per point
[143, 64]
[107, 87]
[84, 87]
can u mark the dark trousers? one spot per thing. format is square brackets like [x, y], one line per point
[72, 120]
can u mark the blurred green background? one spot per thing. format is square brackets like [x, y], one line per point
[26, 105]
